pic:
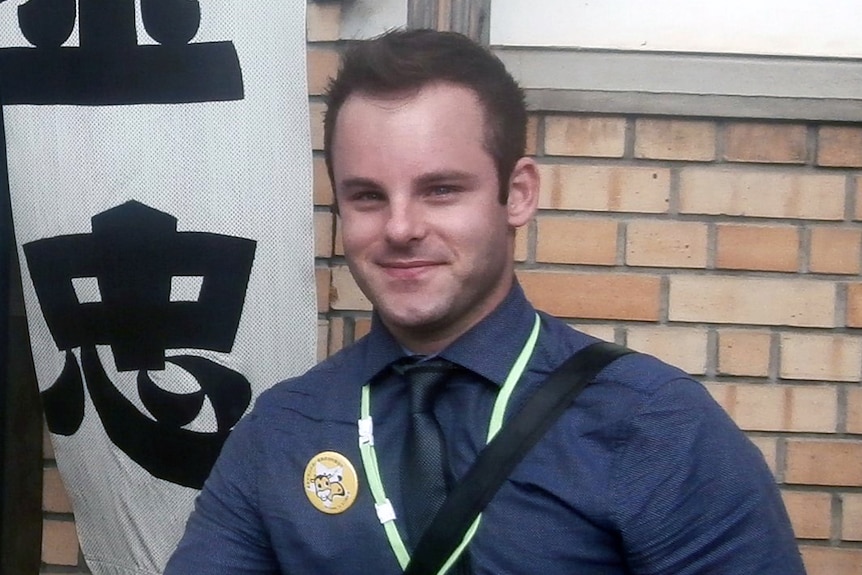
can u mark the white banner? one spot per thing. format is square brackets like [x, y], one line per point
[160, 175]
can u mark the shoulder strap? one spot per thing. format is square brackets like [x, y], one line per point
[497, 460]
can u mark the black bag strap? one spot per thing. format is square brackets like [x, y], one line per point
[497, 460]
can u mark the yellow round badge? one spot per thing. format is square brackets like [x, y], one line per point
[330, 482]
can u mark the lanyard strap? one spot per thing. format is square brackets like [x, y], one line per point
[385, 511]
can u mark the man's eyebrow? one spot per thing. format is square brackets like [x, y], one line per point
[445, 176]
[358, 182]
[428, 179]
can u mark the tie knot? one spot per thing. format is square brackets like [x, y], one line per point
[425, 379]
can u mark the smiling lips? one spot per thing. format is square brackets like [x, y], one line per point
[410, 269]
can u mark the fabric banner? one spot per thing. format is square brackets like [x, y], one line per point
[160, 177]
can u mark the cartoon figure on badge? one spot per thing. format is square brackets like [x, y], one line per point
[330, 482]
[327, 484]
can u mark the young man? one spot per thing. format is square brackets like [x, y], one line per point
[643, 474]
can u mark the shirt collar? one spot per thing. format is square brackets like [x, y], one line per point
[489, 348]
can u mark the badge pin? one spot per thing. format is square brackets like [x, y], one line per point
[330, 482]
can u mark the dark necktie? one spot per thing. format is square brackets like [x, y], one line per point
[423, 479]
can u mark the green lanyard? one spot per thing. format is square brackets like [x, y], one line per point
[385, 511]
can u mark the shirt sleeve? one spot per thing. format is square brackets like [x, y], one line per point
[693, 495]
[225, 534]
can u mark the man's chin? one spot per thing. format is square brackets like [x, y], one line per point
[410, 321]
[413, 320]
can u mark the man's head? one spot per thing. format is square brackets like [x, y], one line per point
[402, 61]
[427, 222]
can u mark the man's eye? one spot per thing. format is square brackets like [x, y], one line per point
[368, 196]
[442, 190]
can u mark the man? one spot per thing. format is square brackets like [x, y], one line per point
[643, 474]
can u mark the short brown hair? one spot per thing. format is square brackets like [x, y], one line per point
[402, 60]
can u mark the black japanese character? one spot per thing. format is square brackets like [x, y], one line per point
[132, 254]
[109, 67]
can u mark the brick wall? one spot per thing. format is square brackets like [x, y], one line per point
[732, 249]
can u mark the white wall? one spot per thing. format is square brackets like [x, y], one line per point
[783, 27]
[367, 18]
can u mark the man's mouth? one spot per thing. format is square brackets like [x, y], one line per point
[407, 269]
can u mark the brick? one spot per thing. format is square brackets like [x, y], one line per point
[338, 247]
[594, 296]
[725, 394]
[768, 447]
[811, 409]
[854, 305]
[345, 293]
[675, 140]
[831, 560]
[323, 224]
[744, 352]
[323, 282]
[764, 407]
[683, 347]
[835, 250]
[336, 334]
[522, 243]
[321, 65]
[814, 462]
[59, 543]
[851, 517]
[773, 143]
[858, 202]
[660, 243]
[322, 339]
[604, 188]
[854, 410]
[532, 147]
[316, 111]
[821, 357]
[591, 136]
[322, 21]
[322, 187]
[601, 331]
[810, 513]
[765, 194]
[576, 240]
[752, 301]
[839, 146]
[55, 498]
[361, 327]
[766, 248]
[722, 393]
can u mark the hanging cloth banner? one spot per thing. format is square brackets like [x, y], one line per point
[160, 177]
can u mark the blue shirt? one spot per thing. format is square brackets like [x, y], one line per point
[644, 474]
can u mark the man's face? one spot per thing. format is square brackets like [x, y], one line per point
[424, 232]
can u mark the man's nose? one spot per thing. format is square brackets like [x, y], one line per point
[406, 222]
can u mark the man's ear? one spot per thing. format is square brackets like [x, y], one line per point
[523, 192]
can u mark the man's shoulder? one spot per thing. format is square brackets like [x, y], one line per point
[644, 373]
[635, 394]
[331, 382]
[637, 372]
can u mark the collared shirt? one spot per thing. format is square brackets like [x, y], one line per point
[644, 474]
